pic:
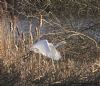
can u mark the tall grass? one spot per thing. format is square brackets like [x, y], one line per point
[20, 67]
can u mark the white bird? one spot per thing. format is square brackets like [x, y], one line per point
[47, 49]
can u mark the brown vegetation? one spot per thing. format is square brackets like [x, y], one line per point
[79, 65]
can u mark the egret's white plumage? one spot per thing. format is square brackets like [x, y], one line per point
[47, 49]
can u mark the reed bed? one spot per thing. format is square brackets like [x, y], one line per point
[80, 62]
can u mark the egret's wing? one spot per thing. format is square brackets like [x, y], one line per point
[42, 47]
[54, 53]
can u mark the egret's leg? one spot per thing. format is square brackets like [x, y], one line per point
[53, 65]
[39, 66]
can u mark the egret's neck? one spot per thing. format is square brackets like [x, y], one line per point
[60, 43]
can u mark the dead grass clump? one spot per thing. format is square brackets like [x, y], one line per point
[20, 67]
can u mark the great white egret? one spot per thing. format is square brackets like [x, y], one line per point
[47, 49]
